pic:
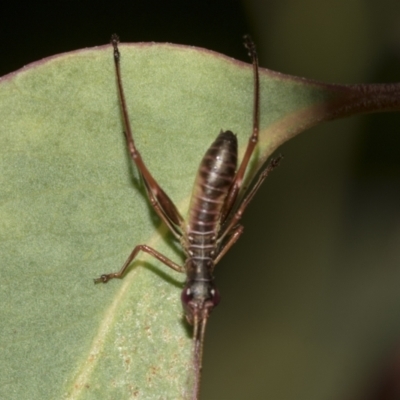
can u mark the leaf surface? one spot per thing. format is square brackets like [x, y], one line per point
[72, 207]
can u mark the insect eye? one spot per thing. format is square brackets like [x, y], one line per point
[215, 297]
[186, 295]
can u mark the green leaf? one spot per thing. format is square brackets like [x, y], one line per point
[72, 207]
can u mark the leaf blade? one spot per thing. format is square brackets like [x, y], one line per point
[72, 207]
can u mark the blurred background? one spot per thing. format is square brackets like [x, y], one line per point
[311, 301]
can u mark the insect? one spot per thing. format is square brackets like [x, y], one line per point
[212, 225]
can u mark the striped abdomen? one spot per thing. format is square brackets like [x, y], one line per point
[214, 178]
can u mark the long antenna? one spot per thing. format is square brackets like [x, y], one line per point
[199, 329]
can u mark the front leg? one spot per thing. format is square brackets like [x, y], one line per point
[165, 260]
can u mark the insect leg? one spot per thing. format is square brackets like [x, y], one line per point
[239, 212]
[166, 209]
[106, 277]
[175, 229]
[253, 140]
[234, 234]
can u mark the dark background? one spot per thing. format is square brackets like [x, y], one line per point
[303, 290]
[36, 30]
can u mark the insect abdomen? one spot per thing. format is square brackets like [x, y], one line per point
[214, 178]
